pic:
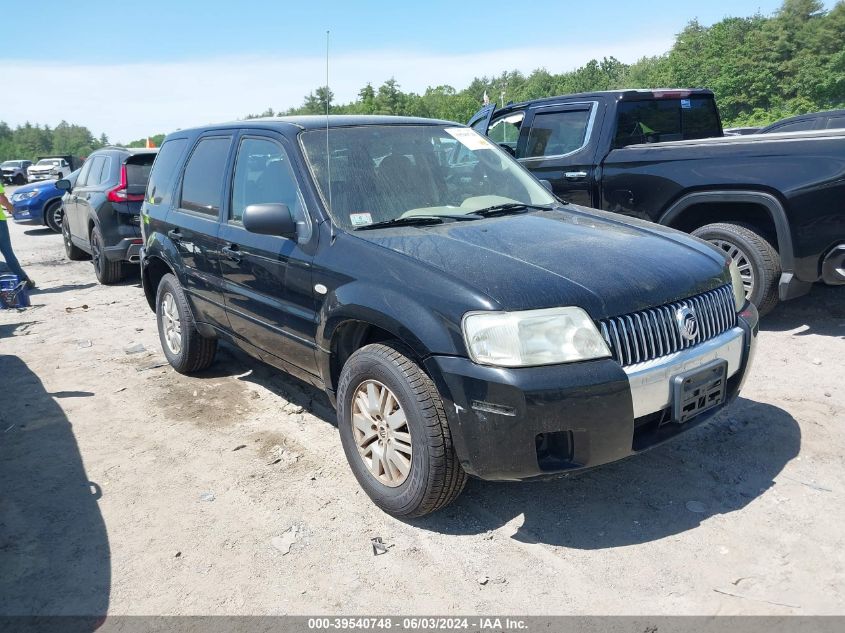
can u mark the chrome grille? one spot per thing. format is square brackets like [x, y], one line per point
[649, 334]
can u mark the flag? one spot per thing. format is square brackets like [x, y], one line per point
[485, 100]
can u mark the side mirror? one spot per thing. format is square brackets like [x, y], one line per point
[269, 218]
[64, 184]
[547, 185]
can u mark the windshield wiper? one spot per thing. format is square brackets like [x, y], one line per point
[411, 220]
[509, 207]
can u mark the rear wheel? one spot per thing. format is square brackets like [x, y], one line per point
[756, 258]
[107, 271]
[394, 432]
[72, 251]
[185, 348]
[53, 216]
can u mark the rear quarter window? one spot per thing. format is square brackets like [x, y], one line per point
[659, 120]
[163, 171]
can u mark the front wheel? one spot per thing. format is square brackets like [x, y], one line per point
[756, 258]
[53, 216]
[20, 179]
[185, 348]
[394, 432]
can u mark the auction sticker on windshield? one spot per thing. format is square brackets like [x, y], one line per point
[360, 219]
[469, 138]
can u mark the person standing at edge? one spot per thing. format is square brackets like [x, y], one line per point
[6, 241]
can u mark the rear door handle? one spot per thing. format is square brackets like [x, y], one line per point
[575, 175]
[231, 252]
[175, 235]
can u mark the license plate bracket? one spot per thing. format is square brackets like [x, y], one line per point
[698, 390]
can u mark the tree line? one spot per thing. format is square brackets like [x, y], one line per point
[761, 68]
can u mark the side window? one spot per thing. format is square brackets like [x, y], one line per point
[505, 131]
[93, 176]
[263, 173]
[105, 172]
[83, 175]
[164, 169]
[202, 185]
[557, 133]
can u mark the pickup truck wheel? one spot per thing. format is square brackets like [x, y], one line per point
[107, 271]
[185, 348]
[20, 179]
[73, 252]
[53, 215]
[757, 259]
[394, 432]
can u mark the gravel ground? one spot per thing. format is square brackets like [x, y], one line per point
[130, 489]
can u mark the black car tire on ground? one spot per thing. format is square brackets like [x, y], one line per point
[72, 251]
[107, 271]
[191, 352]
[757, 251]
[435, 477]
[20, 179]
[53, 215]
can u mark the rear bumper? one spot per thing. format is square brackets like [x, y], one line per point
[128, 249]
[514, 424]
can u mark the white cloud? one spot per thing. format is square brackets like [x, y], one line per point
[129, 101]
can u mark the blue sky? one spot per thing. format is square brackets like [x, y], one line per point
[135, 68]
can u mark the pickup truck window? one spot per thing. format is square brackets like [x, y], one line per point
[659, 120]
[505, 131]
[204, 173]
[557, 133]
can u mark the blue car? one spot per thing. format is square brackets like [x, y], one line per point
[40, 203]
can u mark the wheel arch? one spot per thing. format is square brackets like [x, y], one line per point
[683, 211]
[46, 207]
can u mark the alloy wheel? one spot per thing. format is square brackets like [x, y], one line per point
[381, 433]
[171, 324]
[743, 262]
[95, 254]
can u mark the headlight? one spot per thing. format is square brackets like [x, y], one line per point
[736, 284]
[532, 337]
[24, 196]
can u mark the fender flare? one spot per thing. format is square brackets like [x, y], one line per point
[772, 205]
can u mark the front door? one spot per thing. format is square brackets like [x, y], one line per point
[554, 145]
[267, 278]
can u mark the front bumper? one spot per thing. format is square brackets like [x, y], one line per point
[40, 177]
[28, 211]
[513, 424]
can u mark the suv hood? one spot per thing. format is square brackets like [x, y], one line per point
[567, 256]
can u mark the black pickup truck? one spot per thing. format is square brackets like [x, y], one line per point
[775, 203]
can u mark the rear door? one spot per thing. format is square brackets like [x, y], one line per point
[86, 196]
[194, 223]
[555, 143]
[267, 278]
[69, 200]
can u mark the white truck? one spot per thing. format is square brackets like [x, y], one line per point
[49, 168]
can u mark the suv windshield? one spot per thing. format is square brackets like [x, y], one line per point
[381, 173]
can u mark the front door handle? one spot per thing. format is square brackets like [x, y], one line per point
[575, 175]
[231, 252]
[175, 235]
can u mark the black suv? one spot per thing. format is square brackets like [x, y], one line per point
[102, 210]
[461, 318]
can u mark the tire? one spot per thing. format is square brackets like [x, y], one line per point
[53, 216]
[107, 271]
[20, 179]
[757, 259]
[72, 251]
[420, 441]
[185, 348]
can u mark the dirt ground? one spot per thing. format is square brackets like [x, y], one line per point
[129, 489]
